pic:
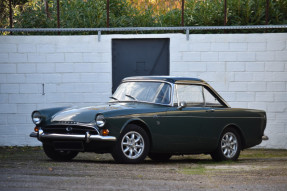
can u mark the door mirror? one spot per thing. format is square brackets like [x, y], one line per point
[182, 104]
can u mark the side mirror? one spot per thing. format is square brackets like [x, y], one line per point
[182, 104]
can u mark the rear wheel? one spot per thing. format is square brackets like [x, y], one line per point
[132, 145]
[58, 155]
[158, 157]
[229, 146]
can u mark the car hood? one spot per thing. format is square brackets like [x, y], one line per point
[84, 115]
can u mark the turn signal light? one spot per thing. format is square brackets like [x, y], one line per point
[36, 129]
[105, 132]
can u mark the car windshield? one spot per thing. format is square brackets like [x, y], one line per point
[151, 92]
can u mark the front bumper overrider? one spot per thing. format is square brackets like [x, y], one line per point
[41, 136]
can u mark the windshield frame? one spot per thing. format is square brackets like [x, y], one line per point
[138, 101]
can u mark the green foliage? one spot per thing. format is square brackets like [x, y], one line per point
[93, 14]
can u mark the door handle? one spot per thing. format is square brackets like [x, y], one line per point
[210, 110]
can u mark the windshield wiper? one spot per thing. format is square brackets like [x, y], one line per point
[114, 98]
[132, 97]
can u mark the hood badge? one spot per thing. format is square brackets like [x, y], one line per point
[69, 129]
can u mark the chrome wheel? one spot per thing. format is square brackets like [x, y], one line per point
[132, 145]
[229, 145]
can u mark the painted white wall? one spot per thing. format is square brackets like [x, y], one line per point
[248, 70]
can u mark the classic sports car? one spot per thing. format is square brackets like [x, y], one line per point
[155, 116]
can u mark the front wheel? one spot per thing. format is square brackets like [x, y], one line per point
[229, 146]
[132, 145]
[58, 155]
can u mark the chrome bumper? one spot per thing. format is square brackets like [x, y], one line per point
[265, 138]
[87, 137]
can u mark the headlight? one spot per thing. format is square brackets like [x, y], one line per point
[36, 118]
[100, 120]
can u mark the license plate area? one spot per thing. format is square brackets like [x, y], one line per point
[69, 145]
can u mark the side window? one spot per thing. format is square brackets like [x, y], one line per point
[191, 94]
[210, 100]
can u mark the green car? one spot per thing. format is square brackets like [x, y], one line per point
[155, 116]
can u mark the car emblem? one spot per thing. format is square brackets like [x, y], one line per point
[69, 129]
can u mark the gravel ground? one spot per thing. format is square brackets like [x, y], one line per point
[27, 168]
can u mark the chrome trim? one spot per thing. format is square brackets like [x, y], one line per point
[265, 138]
[87, 137]
[89, 125]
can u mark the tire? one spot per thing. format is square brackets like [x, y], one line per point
[229, 146]
[58, 155]
[159, 157]
[132, 146]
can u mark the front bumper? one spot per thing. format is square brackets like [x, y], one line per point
[78, 137]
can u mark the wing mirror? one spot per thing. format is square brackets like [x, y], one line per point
[182, 104]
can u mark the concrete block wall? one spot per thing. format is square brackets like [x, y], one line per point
[248, 70]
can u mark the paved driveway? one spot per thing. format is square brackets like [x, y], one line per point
[27, 168]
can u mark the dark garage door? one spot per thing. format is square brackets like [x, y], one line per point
[139, 57]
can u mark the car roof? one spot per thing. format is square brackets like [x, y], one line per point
[171, 79]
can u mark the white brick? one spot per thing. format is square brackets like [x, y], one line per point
[245, 96]
[4, 57]
[64, 67]
[227, 56]
[3, 119]
[255, 66]
[257, 105]
[276, 45]
[281, 117]
[8, 48]
[281, 56]
[180, 66]
[215, 66]
[4, 98]
[56, 98]
[36, 57]
[31, 88]
[83, 67]
[238, 86]
[34, 78]
[246, 56]
[220, 47]
[71, 77]
[242, 46]
[276, 107]
[238, 104]
[280, 96]
[46, 68]
[235, 66]
[99, 67]
[276, 86]
[197, 66]
[8, 108]
[257, 46]
[18, 57]
[264, 96]
[209, 56]
[23, 48]
[265, 56]
[9, 88]
[97, 57]
[26, 108]
[26, 98]
[280, 76]
[257, 86]
[46, 48]
[26, 68]
[20, 119]
[228, 96]
[73, 57]
[190, 56]
[274, 66]
[262, 76]
[243, 76]
[195, 46]
[52, 78]
[16, 78]
[56, 57]
[8, 68]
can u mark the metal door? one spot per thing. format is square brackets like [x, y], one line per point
[139, 57]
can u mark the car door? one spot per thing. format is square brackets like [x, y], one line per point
[181, 127]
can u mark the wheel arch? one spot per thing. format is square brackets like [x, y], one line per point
[237, 128]
[140, 123]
